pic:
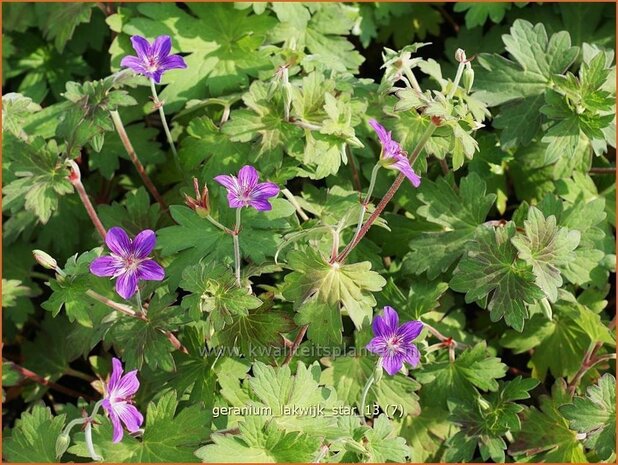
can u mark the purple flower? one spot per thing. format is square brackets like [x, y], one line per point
[153, 60]
[246, 191]
[119, 392]
[393, 343]
[393, 156]
[128, 261]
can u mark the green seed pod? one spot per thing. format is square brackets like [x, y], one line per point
[62, 444]
[468, 78]
[44, 259]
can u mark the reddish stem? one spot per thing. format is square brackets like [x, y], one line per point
[79, 187]
[297, 341]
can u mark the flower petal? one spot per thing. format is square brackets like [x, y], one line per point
[115, 376]
[248, 177]
[378, 346]
[106, 266]
[264, 190]
[393, 363]
[143, 243]
[130, 416]
[126, 387]
[118, 241]
[141, 47]
[172, 62]
[229, 182]
[133, 63]
[115, 419]
[380, 329]
[126, 284]
[383, 135]
[410, 330]
[155, 76]
[234, 201]
[261, 205]
[149, 270]
[413, 356]
[391, 319]
[403, 166]
[161, 48]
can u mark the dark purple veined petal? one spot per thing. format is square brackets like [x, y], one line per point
[234, 201]
[229, 182]
[149, 270]
[248, 177]
[126, 284]
[161, 48]
[116, 425]
[403, 166]
[410, 330]
[380, 328]
[261, 205]
[116, 374]
[141, 47]
[143, 243]
[413, 356]
[391, 319]
[172, 62]
[393, 363]
[378, 346]
[106, 266]
[133, 63]
[125, 387]
[383, 135]
[155, 76]
[118, 241]
[264, 190]
[130, 416]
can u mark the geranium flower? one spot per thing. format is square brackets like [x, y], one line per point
[393, 343]
[246, 191]
[393, 156]
[119, 392]
[153, 60]
[128, 261]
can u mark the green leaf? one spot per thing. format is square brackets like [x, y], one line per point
[382, 443]
[457, 213]
[474, 367]
[260, 442]
[33, 438]
[12, 289]
[341, 287]
[546, 247]
[595, 416]
[545, 435]
[478, 13]
[60, 22]
[214, 290]
[492, 273]
[15, 109]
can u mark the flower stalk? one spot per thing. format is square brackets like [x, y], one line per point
[126, 142]
[237, 247]
[75, 178]
[159, 105]
[364, 203]
[363, 403]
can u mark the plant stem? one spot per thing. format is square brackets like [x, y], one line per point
[413, 82]
[89, 444]
[79, 374]
[140, 306]
[126, 142]
[295, 204]
[45, 382]
[364, 203]
[387, 197]
[355, 176]
[237, 247]
[368, 384]
[219, 225]
[168, 134]
[603, 170]
[460, 70]
[79, 187]
[295, 344]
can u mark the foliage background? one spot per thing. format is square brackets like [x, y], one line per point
[547, 143]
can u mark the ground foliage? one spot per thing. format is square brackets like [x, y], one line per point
[507, 247]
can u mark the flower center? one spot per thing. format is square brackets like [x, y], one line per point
[392, 344]
[152, 64]
[131, 263]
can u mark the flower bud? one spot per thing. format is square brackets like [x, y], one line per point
[44, 259]
[75, 175]
[468, 78]
[199, 203]
[62, 444]
[377, 373]
[460, 55]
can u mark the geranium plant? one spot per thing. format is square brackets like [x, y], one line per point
[308, 232]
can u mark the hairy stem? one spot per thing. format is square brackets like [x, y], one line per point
[460, 70]
[219, 225]
[126, 142]
[79, 187]
[387, 197]
[288, 195]
[295, 344]
[368, 384]
[364, 203]
[45, 382]
[166, 128]
[89, 444]
[237, 247]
